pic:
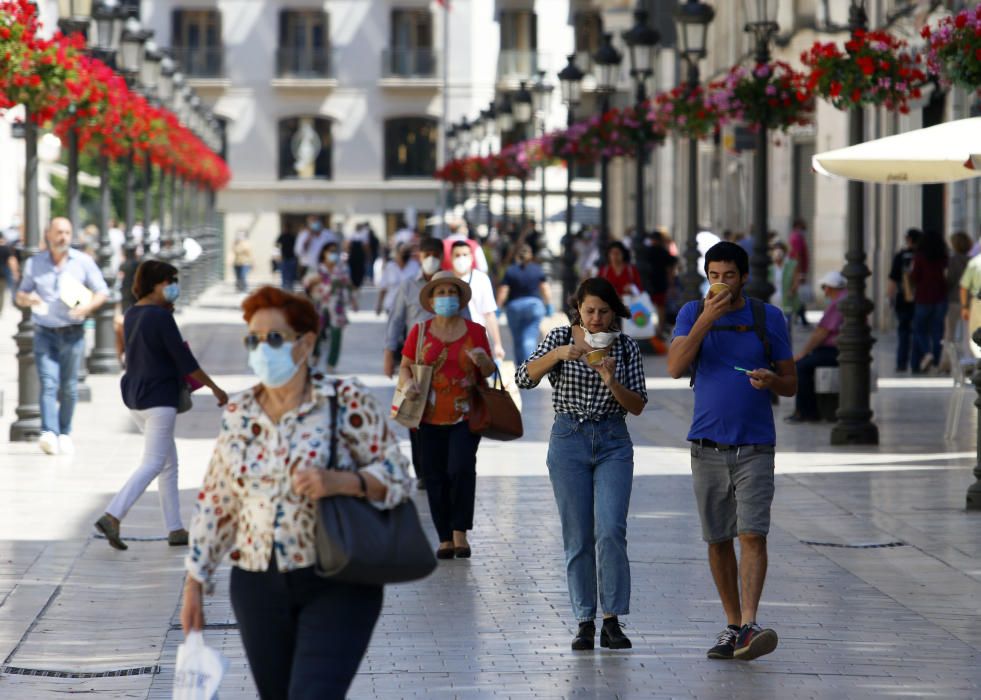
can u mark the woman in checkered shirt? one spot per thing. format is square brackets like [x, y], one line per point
[597, 377]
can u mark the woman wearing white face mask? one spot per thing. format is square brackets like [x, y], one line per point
[157, 361]
[304, 635]
[332, 292]
[458, 351]
[598, 377]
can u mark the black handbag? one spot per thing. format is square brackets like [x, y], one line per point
[358, 543]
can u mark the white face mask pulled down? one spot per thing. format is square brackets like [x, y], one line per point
[599, 340]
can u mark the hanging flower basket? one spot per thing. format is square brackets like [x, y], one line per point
[873, 69]
[638, 130]
[66, 90]
[954, 51]
[686, 112]
[772, 95]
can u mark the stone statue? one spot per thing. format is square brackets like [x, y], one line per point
[306, 145]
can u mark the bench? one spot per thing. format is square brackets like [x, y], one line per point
[826, 386]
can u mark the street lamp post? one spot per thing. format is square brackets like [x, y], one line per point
[477, 132]
[855, 426]
[27, 427]
[152, 77]
[489, 117]
[523, 108]
[763, 26]
[570, 80]
[463, 135]
[505, 122]
[607, 61]
[693, 19]
[540, 94]
[103, 359]
[641, 39]
[75, 18]
[450, 141]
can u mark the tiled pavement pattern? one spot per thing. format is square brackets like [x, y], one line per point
[854, 622]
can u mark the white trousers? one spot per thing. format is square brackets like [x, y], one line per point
[159, 462]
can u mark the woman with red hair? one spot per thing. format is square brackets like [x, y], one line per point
[271, 463]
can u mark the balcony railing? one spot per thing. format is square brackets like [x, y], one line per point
[200, 61]
[409, 63]
[519, 64]
[294, 62]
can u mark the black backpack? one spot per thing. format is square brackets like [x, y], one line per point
[759, 326]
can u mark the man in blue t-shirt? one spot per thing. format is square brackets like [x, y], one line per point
[732, 435]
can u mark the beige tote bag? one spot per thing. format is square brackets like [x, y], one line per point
[408, 411]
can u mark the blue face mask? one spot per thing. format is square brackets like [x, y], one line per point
[171, 292]
[273, 366]
[446, 306]
[333, 257]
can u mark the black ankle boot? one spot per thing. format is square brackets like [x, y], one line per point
[586, 637]
[612, 636]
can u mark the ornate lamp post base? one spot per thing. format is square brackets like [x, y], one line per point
[27, 427]
[859, 433]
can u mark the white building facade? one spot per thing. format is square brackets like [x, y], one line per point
[335, 108]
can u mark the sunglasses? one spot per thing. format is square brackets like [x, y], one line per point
[275, 339]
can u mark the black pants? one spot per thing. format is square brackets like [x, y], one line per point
[449, 466]
[416, 443]
[824, 356]
[904, 333]
[304, 635]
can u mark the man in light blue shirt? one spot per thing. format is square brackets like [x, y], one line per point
[53, 285]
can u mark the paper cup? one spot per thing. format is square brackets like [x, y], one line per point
[595, 357]
[717, 288]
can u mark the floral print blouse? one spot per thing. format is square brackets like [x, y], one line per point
[332, 293]
[247, 506]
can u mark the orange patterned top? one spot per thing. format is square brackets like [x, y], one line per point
[454, 373]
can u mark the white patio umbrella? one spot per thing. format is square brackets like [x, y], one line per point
[941, 153]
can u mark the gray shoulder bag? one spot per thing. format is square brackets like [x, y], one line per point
[359, 543]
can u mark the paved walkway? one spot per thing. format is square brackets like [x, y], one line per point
[855, 621]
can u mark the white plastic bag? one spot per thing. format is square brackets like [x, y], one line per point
[199, 669]
[643, 320]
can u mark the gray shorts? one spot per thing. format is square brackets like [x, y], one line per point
[733, 490]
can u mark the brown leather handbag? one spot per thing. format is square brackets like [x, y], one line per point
[493, 413]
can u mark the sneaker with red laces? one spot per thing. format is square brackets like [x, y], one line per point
[754, 641]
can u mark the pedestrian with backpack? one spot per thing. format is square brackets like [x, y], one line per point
[738, 351]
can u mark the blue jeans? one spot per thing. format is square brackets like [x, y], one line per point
[241, 277]
[928, 332]
[524, 317]
[904, 330]
[287, 271]
[57, 354]
[591, 467]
